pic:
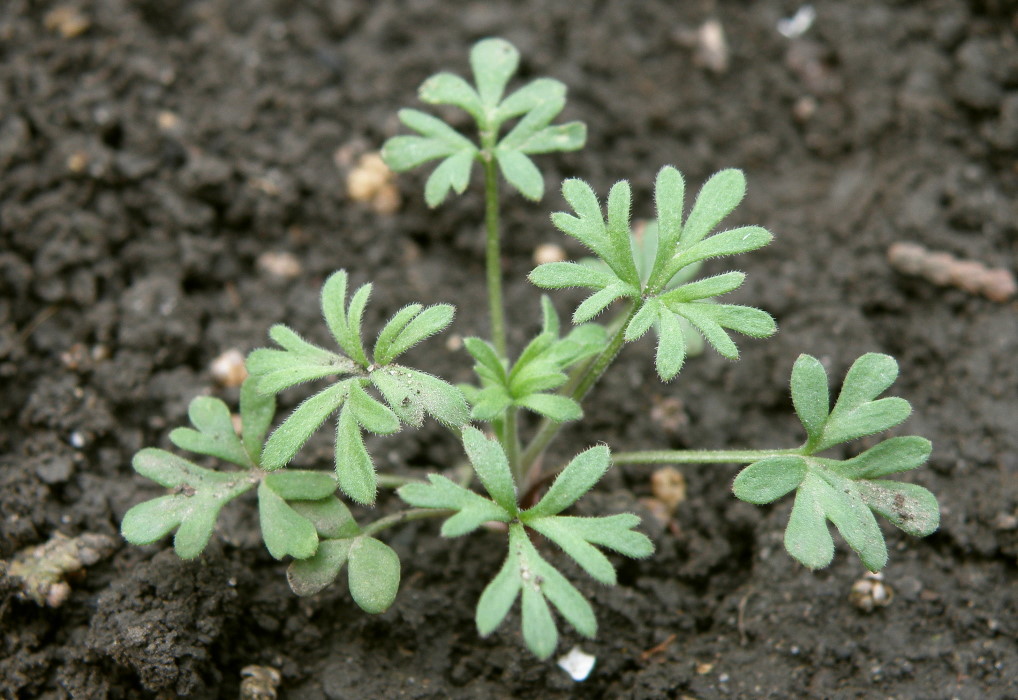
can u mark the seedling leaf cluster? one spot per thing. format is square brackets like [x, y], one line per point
[642, 279]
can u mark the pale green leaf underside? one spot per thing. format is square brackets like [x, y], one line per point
[284, 530]
[373, 571]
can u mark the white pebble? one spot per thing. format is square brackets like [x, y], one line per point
[577, 663]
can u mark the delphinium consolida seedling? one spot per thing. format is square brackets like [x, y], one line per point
[650, 279]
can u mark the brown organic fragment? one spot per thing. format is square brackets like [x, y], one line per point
[944, 269]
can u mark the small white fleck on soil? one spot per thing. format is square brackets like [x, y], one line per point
[577, 663]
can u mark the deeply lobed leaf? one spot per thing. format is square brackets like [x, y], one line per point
[192, 510]
[845, 492]
[493, 62]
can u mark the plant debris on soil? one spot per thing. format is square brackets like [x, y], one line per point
[174, 179]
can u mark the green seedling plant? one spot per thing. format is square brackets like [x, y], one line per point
[644, 282]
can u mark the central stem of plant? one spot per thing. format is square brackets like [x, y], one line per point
[493, 250]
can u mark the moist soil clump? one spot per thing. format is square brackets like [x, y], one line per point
[173, 182]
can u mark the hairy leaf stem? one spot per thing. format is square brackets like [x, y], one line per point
[493, 250]
[698, 456]
[394, 481]
[403, 516]
[511, 443]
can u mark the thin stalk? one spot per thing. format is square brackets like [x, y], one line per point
[493, 250]
[577, 389]
[404, 516]
[511, 443]
[697, 456]
[394, 481]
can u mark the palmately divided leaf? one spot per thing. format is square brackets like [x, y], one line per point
[846, 492]
[192, 510]
[582, 472]
[473, 509]
[493, 62]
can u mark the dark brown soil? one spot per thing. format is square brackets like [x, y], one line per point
[148, 162]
